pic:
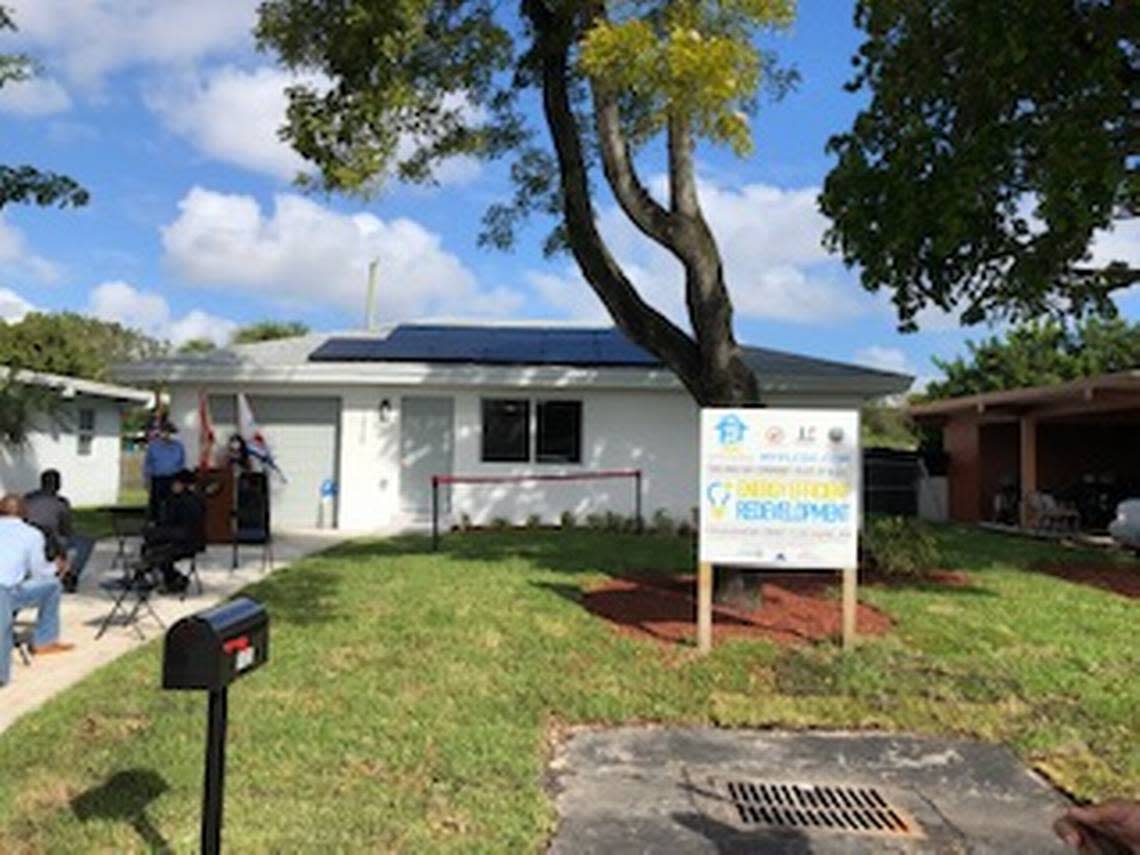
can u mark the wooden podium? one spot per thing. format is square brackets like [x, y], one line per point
[217, 485]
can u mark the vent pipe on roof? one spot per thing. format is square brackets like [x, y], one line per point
[370, 302]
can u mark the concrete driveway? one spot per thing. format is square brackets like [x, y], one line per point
[83, 612]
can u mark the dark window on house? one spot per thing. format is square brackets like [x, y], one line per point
[559, 437]
[506, 430]
[86, 432]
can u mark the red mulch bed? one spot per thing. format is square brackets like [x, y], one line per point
[794, 609]
[1119, 580]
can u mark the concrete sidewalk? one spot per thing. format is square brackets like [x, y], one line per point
[83, 612]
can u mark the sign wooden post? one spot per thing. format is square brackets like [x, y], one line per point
[850, 604]
[780, 490]
[704, 606]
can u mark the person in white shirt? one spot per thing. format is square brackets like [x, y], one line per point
[27, 578]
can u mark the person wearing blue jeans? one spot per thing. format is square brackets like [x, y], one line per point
[27, 579]
[50, 512]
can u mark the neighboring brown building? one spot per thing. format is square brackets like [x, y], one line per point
[1077, 441]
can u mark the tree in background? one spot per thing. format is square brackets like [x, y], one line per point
[999, 138]
[20, 403]
[197, 345]
[26, 183]
[1039, 354]
[883, 424]
[73, 344]
[269, 331]
[410, 84]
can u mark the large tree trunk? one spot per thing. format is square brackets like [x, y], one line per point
[708, 362]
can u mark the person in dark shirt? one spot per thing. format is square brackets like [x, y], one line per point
[50, 512]
[180, 532]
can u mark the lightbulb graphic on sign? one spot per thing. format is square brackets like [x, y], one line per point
[719, 496]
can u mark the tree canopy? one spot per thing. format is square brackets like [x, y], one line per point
[24, 183]
[268, 331]
[399, 87]
[999, 138]
[73, 344]
[1039, 354]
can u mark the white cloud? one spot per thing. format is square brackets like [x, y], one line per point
[88, 39]
[1121, 243]
[883, 358]
[37, 96]
[150, 313]
[232, 115]
[305, 253]
[770, 242]
[13, 307]
[235, 115]
[569, 295]
[16, 255]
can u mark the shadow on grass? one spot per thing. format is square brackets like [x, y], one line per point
[578, 551]
[124, 798]
[304, 595]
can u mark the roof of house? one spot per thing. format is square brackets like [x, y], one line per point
[1099, 392]
[454, 352]
[73, 386]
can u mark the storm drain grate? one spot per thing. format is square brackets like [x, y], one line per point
[856, 810]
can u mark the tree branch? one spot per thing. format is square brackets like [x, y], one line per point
[643, 323]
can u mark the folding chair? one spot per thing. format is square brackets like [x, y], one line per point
[126, 524]
[139, 583]
[22, 638]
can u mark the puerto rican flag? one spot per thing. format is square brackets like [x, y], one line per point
[254, 439]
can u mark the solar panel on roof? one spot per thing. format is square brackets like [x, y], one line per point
[490, 345]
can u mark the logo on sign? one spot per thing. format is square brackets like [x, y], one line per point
[730, 430]
[719, 496]
[806, 435]
[774, 435]
[835, 435]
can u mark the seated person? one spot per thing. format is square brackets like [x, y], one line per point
[180, 532]
[50, 512]
[27, 578]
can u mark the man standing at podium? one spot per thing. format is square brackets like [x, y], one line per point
[165, 458]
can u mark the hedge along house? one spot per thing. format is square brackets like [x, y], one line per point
[381, 413]
[80, 439]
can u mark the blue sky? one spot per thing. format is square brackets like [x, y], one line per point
[165, 112]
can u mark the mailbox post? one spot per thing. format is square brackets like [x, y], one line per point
[208, 651]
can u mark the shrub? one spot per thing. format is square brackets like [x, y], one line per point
[663, 523]
[597, 522]
[567, 520]
[685, 530]
[898, 546]
[629, 525]
[534, 521]
[500, 524]
[614, 521]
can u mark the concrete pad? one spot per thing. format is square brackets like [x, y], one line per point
[82, 612]
[634, 790]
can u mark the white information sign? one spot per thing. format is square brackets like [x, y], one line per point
[780, 488]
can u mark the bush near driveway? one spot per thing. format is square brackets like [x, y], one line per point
[412, 697]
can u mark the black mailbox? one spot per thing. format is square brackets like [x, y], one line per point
[213, 648]
[209, 651]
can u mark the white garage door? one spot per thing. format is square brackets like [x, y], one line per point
[303, 434]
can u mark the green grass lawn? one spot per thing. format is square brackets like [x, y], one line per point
[411, 698]
[96, 521]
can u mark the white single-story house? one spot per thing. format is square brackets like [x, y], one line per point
[80, 440]
[380, 413]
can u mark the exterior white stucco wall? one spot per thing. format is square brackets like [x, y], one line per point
[652, 430]
[91, 479]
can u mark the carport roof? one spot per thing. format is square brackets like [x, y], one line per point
[489, 352]
[1085, 395]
